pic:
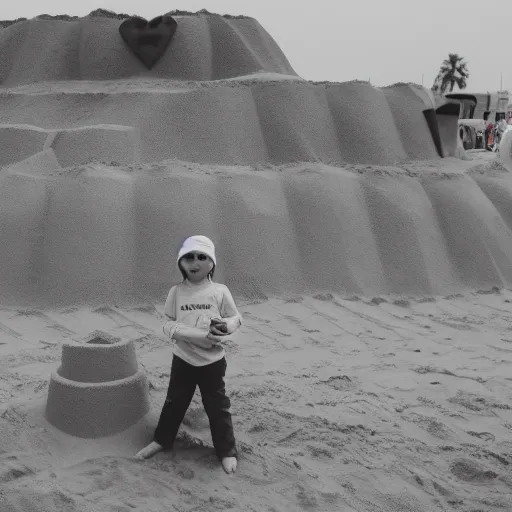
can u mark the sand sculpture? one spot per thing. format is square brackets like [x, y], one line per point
[148, 40]
[98, 390]
[106, 164]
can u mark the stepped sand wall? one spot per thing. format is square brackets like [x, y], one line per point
[244, 124]
[99, 233]
[304, 187]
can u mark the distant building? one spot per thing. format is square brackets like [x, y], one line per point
[487, 106]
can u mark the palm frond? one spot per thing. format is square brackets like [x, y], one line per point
[453, 71]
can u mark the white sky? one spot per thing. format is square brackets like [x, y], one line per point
[387, 41]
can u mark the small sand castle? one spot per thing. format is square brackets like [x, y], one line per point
[98, 390]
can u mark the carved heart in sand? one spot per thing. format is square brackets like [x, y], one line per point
[148, 40]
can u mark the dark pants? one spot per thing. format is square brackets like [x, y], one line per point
[182, 385]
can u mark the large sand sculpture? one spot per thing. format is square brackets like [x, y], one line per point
[108, 166]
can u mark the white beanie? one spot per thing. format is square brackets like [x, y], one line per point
[198, 243]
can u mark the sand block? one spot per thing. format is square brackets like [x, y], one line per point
[112, 144]
[410, 242]
[477, 237]
[97, 391]
[215, 125]
[498, 190]
[89, 244]
[18, 142]
[365, 127]
[23, 200]
[407, 108]
[296, 122]
[332, 230]
[44, 163]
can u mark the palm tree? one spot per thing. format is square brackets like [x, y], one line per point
[453, 71]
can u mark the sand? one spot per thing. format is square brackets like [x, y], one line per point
[372, 371]
[339, 403]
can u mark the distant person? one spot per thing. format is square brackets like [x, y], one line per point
[200, 315]
[488, 136]
[502, 126]
[500, 129]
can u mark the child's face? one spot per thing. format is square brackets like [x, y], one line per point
[196, 265]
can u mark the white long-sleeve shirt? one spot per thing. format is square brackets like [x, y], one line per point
[189, 309]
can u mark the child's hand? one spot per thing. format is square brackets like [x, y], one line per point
[218, 327]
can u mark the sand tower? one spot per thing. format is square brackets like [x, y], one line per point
[98, 390]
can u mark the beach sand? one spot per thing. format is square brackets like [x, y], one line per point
[346, 403]
[374, 276]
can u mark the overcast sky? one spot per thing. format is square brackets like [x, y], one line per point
[386, 41]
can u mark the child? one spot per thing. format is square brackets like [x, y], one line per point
[201, 315]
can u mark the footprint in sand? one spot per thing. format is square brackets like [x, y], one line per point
[196, 418]
[449, 495]
[12, 470]
[486, 436]
[494, 289]
[470, 471]
[477, 403]
[339, 382]
[320, 451]
[432, 426]
[306, 499]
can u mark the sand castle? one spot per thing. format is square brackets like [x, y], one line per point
[109, 164]
[98, 390]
